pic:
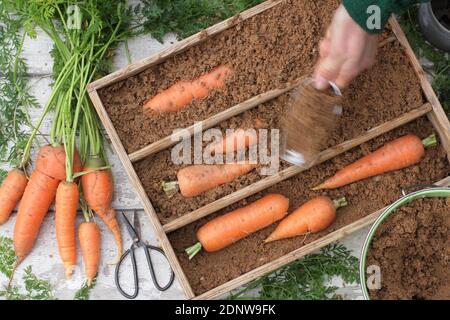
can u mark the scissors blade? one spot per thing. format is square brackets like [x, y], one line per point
[137, 224]
[130, 229]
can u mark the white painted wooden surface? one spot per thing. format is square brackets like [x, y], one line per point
[45, 260]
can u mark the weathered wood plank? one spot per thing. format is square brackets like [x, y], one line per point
[164, 241]
[438, 117]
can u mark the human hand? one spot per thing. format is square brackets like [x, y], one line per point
[345, 51]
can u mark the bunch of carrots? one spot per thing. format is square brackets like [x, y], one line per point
[71, 176]
[315, 215]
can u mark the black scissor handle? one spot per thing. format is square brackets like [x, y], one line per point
[135, 274]
[147, 249]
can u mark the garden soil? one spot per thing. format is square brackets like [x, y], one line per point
[206, 270]
[412, 249]
[265, 52]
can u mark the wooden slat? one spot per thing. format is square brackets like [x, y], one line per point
[294, 170]
[180, 46]
[438, 117]
[215, 119]
[298, 253]
[164, 241]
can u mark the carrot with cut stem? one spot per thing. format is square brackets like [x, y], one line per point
[37, 198]
[196, 179]
[315, 215]
[11, 191]
[98, 192]
[233, 226]
[66, 204]
[51, 160]
[183, 92]
[397, 154]
[90, 240]
[236, 141]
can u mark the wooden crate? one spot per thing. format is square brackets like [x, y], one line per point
[432, 108]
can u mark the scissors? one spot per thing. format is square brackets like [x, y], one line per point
[134, 232]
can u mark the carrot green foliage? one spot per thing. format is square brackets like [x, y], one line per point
[34, 288]
[84, 292]
[7, 256]
[15, 97]
[305, 279]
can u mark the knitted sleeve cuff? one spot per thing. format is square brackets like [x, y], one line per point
[372, 15]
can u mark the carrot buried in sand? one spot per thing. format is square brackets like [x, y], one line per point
[397, 154]
[183, 93]
[196, 179]
[315, 215]
[10, 193]
[236, 141]
[238, 224]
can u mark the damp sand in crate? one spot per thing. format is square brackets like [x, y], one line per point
[436, 115]
[363, 197]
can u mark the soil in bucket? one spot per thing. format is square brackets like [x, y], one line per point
[412, 249]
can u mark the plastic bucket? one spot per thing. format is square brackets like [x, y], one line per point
[431, 192]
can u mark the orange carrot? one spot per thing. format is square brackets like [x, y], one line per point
[233, 226]
[89, 235]
[183, 93]
[10, 193]
[236, 141]
[196, 179]
[51, 161]
[98, 192]
[397, 154]
[37, 198]
[315, 215]
[66, 205]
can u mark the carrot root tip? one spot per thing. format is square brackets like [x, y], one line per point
[319, 187]
[429, 141]
[170, 188]
[340, 202]
[193, 250]
[69, 272]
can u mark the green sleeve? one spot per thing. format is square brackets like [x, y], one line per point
[372, 15]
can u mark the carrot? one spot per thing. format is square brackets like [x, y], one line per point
[89, 235]
[196, 179]
[397, 154]
[233, 226]
[183, 92]
[10, 193]
[37, 198]
[315, 215]
[51, 161]
[66, 205]
[98, 192]
[238, 140]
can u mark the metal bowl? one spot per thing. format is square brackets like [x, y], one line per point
[430, 192]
